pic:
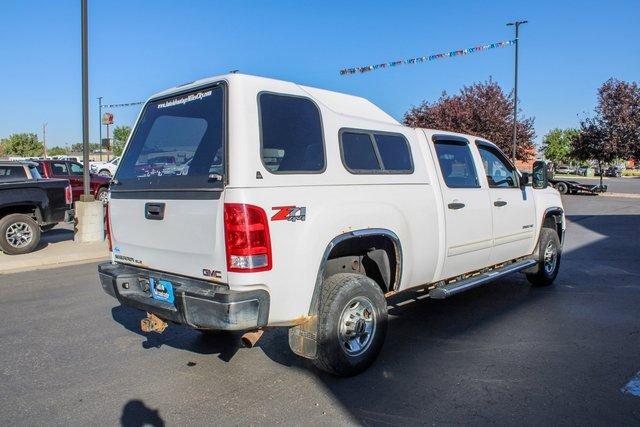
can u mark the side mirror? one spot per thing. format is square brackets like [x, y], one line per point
[524, 179]
[540, 178]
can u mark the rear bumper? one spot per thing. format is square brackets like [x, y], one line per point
[198, 303]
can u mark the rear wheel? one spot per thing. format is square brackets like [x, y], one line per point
[352, 324]
[549, 258]
[19, 234]
[562, 188]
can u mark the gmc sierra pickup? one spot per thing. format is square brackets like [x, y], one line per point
[281, 205]
[29, 205]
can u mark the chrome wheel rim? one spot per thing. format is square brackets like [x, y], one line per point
[19, 234]
[104, 196]
[357, 326]
[550, 257]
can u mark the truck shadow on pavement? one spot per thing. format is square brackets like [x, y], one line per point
[225, 345]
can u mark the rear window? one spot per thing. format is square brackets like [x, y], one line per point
[178, 144]
[12, 173]
[291, 134]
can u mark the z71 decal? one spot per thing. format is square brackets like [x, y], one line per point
[289, 213]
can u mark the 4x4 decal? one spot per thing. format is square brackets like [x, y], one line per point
[289, 213]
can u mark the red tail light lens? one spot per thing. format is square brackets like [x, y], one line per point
[68, 195]
[107, 227]
[247, 240]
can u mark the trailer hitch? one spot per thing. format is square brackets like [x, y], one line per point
[153, 324]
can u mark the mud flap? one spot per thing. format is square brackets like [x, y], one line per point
[303, 338]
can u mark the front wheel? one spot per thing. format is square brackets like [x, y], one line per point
[549, 256]
[352, 324]
[103, 195]
[19, 234]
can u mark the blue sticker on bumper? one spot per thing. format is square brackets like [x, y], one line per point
[162, 290]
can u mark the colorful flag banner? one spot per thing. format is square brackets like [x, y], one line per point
[365, 69]
[130, 104]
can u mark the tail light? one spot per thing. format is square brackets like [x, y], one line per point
[247, 240]
[68, 195]
[107, 227]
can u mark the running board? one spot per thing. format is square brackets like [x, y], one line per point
[445, 291]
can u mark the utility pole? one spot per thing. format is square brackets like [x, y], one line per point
[515, 88]
[100, 123]
[44, 138]
[85, 104]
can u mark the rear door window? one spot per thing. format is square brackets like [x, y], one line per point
[291, 134]
[456, 164]
[59, 169]
[178, 144]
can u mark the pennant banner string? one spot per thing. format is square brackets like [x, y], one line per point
[130, 104]
[365, 69]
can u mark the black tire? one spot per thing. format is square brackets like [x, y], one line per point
[103, 195]
[546, 274]
[15, 229]
[562, 188]
[105, 172]
[341, 297]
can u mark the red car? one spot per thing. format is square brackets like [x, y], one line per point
[73, 171]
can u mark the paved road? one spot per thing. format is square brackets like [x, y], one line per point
[503, 354]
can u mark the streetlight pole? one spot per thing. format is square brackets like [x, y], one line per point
[85, 105]
[515, 88]
[44, 138]
[100, 123]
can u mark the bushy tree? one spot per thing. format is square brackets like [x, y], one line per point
[23, 145]
[614, 132]
[556, 144]
[58, 151]
[481, 109]
[120, 136]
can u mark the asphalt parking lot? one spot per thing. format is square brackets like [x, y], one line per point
[502, 354]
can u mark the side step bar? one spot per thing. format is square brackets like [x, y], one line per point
[445, 291]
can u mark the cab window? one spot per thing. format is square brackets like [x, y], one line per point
[456, 163]
[76, 168]
[500, 173]
[59, 168]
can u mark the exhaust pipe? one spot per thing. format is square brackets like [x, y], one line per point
[249, 339]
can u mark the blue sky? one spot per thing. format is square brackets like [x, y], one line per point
[140, 47]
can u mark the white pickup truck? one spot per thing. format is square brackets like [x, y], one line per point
[303, 208]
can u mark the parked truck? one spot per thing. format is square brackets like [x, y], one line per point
[305, 209]
[29, 205]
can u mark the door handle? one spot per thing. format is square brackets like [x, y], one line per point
[499, 203]
[456, 205]
[154, 211]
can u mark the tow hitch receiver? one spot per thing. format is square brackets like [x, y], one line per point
[153, 324]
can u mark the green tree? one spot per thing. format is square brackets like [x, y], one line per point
[22, 144]
[614, 132]
[57, 151]
[556, 145]
[120, 136]
[482, 109]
